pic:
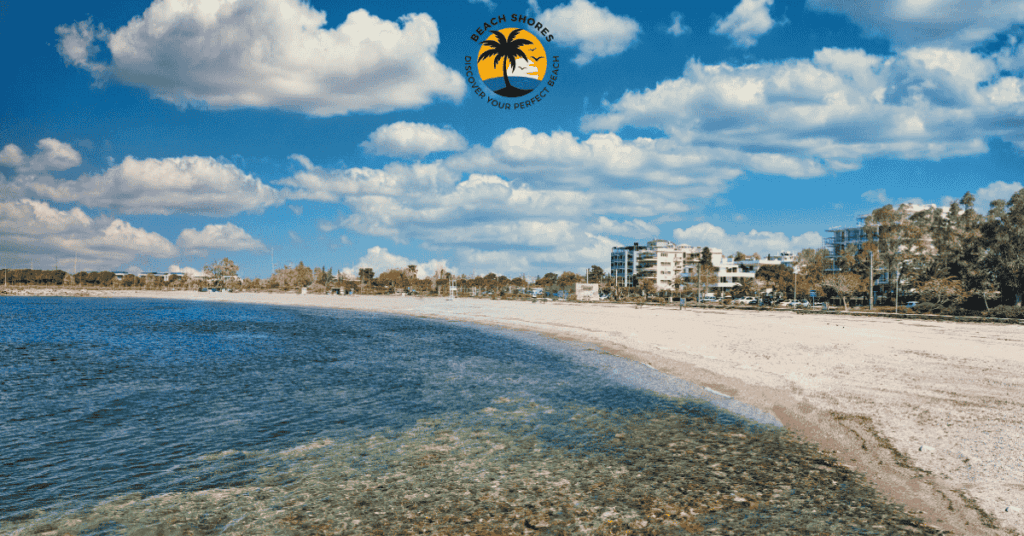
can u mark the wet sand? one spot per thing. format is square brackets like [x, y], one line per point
[931, 413]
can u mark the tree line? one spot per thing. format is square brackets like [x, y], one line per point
[955, 260]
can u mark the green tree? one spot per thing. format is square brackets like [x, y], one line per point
[548, 280]
[705, 257]
[595, 274]
[897, 239]
[647, 287]
[393, 279]
[943, 291]
[1006, 232]
[568, 279]
[973, 259]
[506, 51]
[748, 286]
[222, 269]
[777, 277]
[812, 264]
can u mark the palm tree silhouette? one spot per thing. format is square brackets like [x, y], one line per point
[506, 51]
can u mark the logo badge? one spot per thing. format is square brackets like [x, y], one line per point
[512, 62]
[510, 68]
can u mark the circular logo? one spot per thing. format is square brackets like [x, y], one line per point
[511, 62]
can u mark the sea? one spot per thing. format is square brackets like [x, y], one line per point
[113, 401]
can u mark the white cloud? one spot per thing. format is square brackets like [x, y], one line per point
[187, 184]
[636, 228]
[269, 54]
[50, 155]
[906, 23]
[748, 21]
[187, 270]
[586, 250]
[226, 236]
[808, 117]
[78, 44]
[876, 196]
[296, 209]
[596, 31]
[381, 260]
[677, 28]
[295, 237]
[35, 231]
[996, 190]
[762, 242]
[412, 139]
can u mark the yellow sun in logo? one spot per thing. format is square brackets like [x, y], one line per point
[512, 62]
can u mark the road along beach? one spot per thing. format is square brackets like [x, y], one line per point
[931, 413]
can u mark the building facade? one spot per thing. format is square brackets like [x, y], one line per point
[666, 263]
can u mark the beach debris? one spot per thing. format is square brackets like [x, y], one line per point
[1013, 509]
[926, 448]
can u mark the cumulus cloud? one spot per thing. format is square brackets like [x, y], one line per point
[762, 242]
[187, 270]
[677, 28]
[907, 23]
[187, 184]
[996, 190]
[50, 155]
[226, 236]
[381, 260]
[269, 54]
[808, 117]
[596, 31]
[35, 231]
[748, 21]
[412, 139]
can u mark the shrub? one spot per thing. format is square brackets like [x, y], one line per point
[927, 307]
[1005, 311]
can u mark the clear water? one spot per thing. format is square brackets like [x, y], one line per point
[103, 397]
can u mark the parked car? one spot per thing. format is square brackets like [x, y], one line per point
[912, 304]
[746, 300]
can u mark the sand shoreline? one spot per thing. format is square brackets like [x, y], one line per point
[931, 413]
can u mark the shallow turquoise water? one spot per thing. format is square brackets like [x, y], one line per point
[103, 397]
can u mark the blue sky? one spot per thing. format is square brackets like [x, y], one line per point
[156, 135]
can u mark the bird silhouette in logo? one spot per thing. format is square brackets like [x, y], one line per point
[537, 58]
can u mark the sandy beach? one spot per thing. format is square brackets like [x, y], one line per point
[932, 413]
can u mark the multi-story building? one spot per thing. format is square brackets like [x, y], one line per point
[624, 264]
[665, 262]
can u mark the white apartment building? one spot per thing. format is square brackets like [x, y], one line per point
[731, 272]
[665, 262]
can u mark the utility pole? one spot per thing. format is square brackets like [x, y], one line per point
[871, 282]
[897, 288]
